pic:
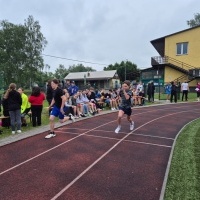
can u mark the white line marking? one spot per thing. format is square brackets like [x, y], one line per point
[154, 136]
[101, 157]
[28, 160]
[50, 150]
[134, 141]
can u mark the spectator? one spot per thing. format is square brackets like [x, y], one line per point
[36, 99]
[173, 92]
[25, 107]
[141, 97]
[49, 92]
[80, 104]
[149, 91]
[140, 86]
[67, 85]
[152, 90]
[185, 89]
[5, 121]
[198, 90]
[14, 107]
[168, 91]
[70, 109]
[73, 89]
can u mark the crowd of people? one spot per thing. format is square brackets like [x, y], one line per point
[65, 101]
[173, 88]
[16, 105]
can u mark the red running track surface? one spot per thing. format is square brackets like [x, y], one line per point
[88, 161]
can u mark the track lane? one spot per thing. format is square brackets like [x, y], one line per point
[92, 123]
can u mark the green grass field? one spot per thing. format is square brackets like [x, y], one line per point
[184, 176]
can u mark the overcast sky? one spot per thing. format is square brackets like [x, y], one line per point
[102, 31]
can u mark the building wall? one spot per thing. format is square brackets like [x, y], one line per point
[192, 58]
[171, 74]
[190, 36]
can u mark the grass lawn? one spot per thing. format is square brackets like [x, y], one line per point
[192, 96]
[184, 176]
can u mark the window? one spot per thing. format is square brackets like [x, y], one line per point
[182, 48]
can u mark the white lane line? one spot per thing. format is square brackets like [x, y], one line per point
[143, 135]
[30, 159]
[137, 134]
[154, 136]
[51, 149]
[133, 141]
[63, 128]
[109, 150]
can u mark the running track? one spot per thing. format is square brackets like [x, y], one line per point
[88, 161]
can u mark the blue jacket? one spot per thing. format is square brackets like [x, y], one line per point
[73, 90]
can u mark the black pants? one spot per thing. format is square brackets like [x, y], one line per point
[36, 114]
[173, 95]
[185, 93]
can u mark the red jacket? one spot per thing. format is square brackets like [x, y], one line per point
[37, 100]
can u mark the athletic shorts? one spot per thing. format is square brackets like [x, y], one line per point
[126, 111]
[56, 112]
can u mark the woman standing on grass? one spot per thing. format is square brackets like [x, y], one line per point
[36, 99]
[14, 101]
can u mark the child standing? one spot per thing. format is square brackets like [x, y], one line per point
[125, 106]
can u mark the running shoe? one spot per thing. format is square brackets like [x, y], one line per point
[72, 117]
[50, 135]
[118, 129]
[131, 126]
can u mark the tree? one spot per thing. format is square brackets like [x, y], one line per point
[12, 56]
[61, 72]
[20, 51]
[125, 70]
[194, 22]
[80, 68]
[35, 43]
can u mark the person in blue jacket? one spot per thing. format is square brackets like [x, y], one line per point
[73, 89]
[168, 89]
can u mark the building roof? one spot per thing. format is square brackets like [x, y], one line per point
[93, 75]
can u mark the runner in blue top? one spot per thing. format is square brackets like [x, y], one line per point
[125, 106]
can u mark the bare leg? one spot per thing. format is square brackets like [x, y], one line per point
[51, 118]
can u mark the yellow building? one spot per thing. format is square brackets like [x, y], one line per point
[179, 58]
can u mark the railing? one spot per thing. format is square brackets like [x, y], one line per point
[184, 67]
[168, 60]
